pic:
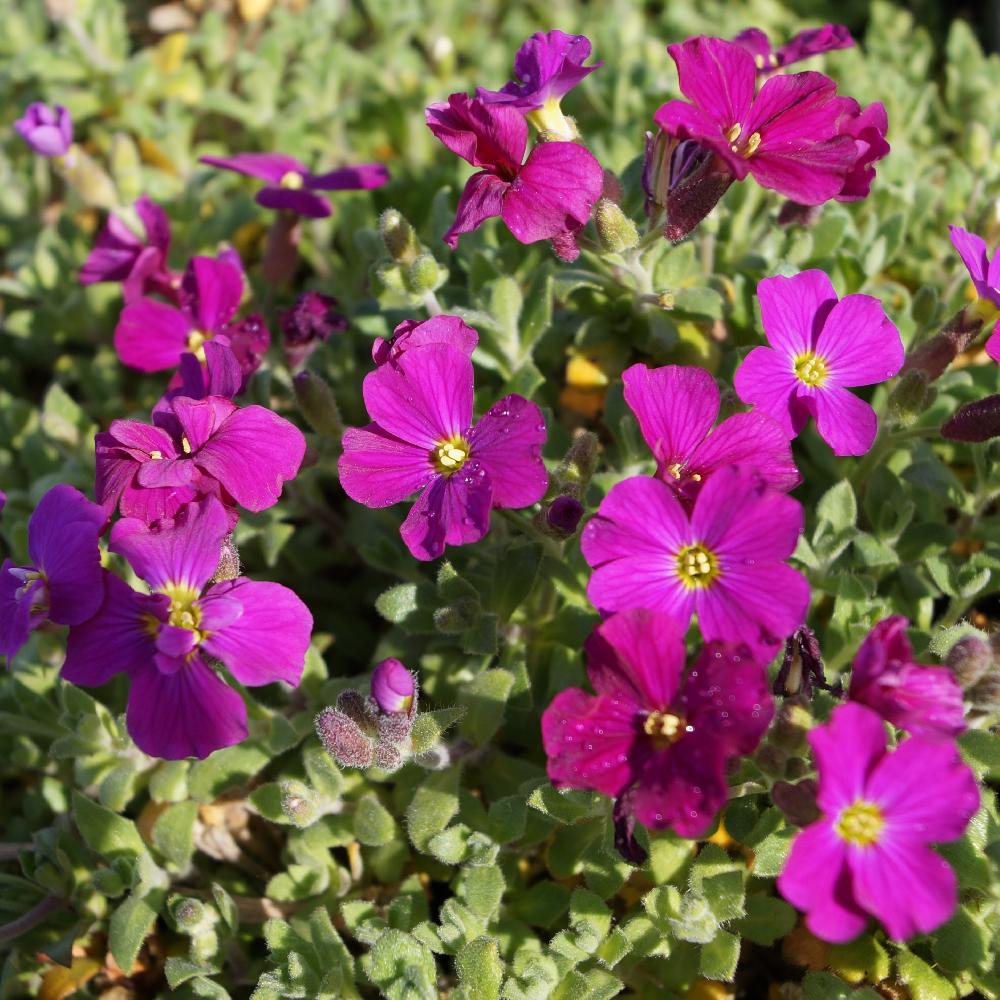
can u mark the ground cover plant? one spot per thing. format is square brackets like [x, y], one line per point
[498, 502]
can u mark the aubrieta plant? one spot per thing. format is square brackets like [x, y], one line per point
[571, 576]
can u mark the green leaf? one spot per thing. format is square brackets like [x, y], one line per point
[826, 986]
[373, 823]
[514, 577]
[482, 889]
[173, 832]
[485, 698]
[130, 924]
[719, 957]
[401, 967]
[767, 919]
[480, 970]
[922, 980]
[432, 807]
[838, 507]
[962, 944]
[429, 727]
[110, 835]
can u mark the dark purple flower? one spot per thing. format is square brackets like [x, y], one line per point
[290, 185]
[47, 130]
[919, 699]
[802, 665]
[393, 687]
[653, 737]
[548, 196]
[422, 439]
[975, 422]
[564, 514]
[309, 323]
[178, 705]
[64, 583]
[413, 333]
[812, 42]
[140, 265]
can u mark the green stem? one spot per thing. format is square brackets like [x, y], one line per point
[28, 921]
[883, 446]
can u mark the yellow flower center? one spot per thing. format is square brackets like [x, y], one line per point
[292, 180]
[697, 566]
[861, 823]
[677, 471]
[184, 611]
[196, 343]
[811, 369]
[664, 727]
[745, 149]
[451, 455]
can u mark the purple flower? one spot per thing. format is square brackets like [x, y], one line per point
[140, 265]
[868, 853]
[63, 584]
[290, 185]
[923, 700]
[867, 127]
[985, 275]
[196, 448]
[787, 136]
[723, 562]
[392, 687]
[436, 330]
[48, 131]
[820, 347]
[812, 42]
[547, 197]
[654, 738]
[677, 408]
[564, 514]
[423, 439]
[178, 705]
[308, 324]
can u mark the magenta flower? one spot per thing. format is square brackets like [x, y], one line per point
[178, 705]
[923, 700]
[48, 131]
[436, 330]
[787, 136]
[820, 347]
[868, 852]
[393, 687]
[63, 585]
[549, 196]
[677, 408]
[867, 127]
[309, 323]
[423, 439]
[804, 45]
[985, 275]
[196, 448]
[723, 562]
[290, 185]
[140, 265]
[653, 737]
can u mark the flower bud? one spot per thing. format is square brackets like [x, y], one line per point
[229, 561]
[702, 179]
[393, 687]
[47, 130]
[933, 356]
[387, 757]
[574, 472]
[189, 914]
[343, 739]
[794, 214]
[969, 659]
[454, 618]
[910, 397]
[399, 236]
[974, 422]
[985, 694]
[389, 274]
[309, 323]
[298, 803]
[771, 760]
[318, 405]
[797, 802]
[792, 721]
[563, 515]
[615, 230]
[424, 275]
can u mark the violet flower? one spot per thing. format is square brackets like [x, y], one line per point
[804, 45]
[653, 737]
[724, 562]
[787, 136]
[677, 408]
[548, 196]
[922, 700]
[867, 127]
[47, 130]
[309, 323]
[442, 329]
[393, 687]
[63, 584]
[869, 853]
[422, 438]
[819, 348]
[290, 185]
[140, 265]
[985, 275]
[196, 448]
[178, 706]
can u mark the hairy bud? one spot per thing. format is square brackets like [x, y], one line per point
[343, 739]
[424, 275]
[911, 396]
[933, 356]
[616, 231]
[229, 561]
[317, 404]
[792, 721]
[969, 659]
[298, 803]
[797, 802]
[399, 236]
[974, 422]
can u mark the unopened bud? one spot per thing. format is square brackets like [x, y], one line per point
[985, 694]
[424, 275]
[387, 757]
[974, 422]
[343, 739]
[229, 561]
[389, 274]
[969, 659]
[189, 914]
[612, 188]
[563, 515]
[454, 618]
[298, 803]
[393, 687]
[399, 236]
[792, 722]
[318, 405]
[616, 231]
[797, 802]
[933, 356]
[771, 760]
[574, 472]
[794, 214]
[911, 396]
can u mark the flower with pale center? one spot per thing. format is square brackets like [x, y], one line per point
[292, 180]
[811, 369]
[697, 566]
[860, 824]
[451, 455]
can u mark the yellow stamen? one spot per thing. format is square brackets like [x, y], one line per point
[451, 455]
[751, 147]
[196, 343]
[664, 725]
[733, 132]
[156, 455]
[861, 823]
[697, 566]
[292, 180]
[811, 369]
[186, 445]
[675, 470]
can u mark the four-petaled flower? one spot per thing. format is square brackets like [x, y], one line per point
[869, 853]
[804, 45]
[820, 347]
[985, 275]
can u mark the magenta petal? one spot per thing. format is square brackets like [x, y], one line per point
[155, 221]
[155, 504]
[302, 202]
[187, 713]
[767, 379]
[268, 642]
[846, 748]
[859, 342]
[718, 76]
[216, 287]
[119, 638]
[916, 698]
[62, 541]
[151, 335]
[507, 442]
[845, 422]
[166, 472]
[487, 135]
[972, 250]
[175, 642]
[682, 788]
[482, 199]
[793, 310]
[179, 555]
[198, 420]
[267, 166]
[813, 42]
[364, 176]
[809, 175]
[442, 329]
[453, 510]
[377, 469]
[685, 121]
[16, 602]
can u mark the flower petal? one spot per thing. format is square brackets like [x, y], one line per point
[717, 76]
[859, 343]
[302, 202]
[377, 469]
[847, 424]
[16, 601]
[972, 250]
[487, 135]
[766, 379]
[215, 288]
[151, 335]
[482, 199]
[362, 177]
[267, 166]
[794, 309]
[847, 749]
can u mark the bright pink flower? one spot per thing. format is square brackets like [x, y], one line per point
[393, 687]
[787, 136]
[653, 736]
[436, 330]
[422, 439]
[819, 348]
[549, 196]
[178, 705]
[867, 127]
[984, 272]
[808, 43]
[677, 408]
[868, 853]
[922, 700]
[724, 562]
[47, 130]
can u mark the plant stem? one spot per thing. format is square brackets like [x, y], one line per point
[35, 916]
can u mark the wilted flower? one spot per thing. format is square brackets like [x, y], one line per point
[47, 130]
[819, 348]
[178, 706]
[415, 333]
[64, 583]
[290, 185]
[309, 323]
[423, 439]
[808, 43]
[802, 665]
[868, 853]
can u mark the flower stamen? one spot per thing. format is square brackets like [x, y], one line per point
[451, 455]
[664, 727]
[292, 180]
[697, 566]
[860, 824]
[811, 369]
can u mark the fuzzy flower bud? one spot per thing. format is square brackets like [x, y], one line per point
[229, 561]
[616, 231]
[298, 803]
[910, 397]
[399, 236]
[933, 356]
[969, 659]
[393, 687]
[974, 422]
[792, 722]
[318, 405]
[343, 739]
[424, 275]
[985, 694]
[792, 213]
[772, 760]
[190, 915]
[47, 130]
[798, 801]
[701, 181]
[574, 472]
